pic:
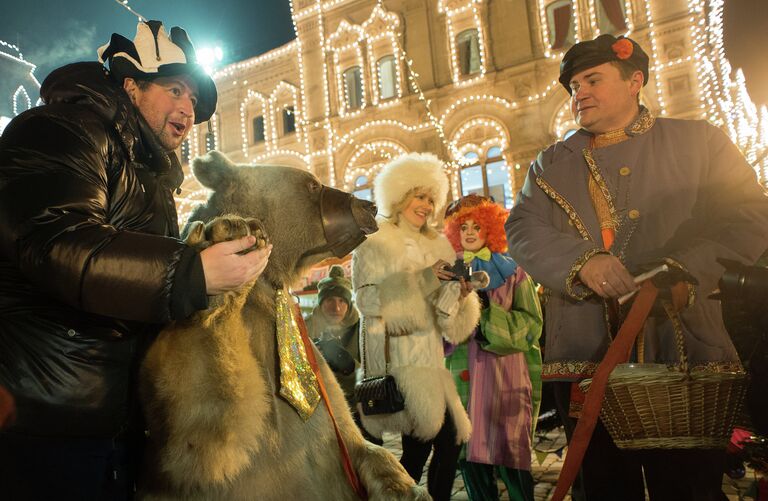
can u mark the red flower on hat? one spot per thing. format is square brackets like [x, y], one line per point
[622, 48]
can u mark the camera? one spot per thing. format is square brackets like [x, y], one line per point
[747, 284]
[743, 292]
[459, 270]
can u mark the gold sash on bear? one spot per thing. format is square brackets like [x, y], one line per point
[298, 384]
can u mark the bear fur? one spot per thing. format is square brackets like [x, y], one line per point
[218, 428]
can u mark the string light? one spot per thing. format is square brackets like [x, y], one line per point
[358, 135]
[467, 17]
[20, 93]
[564, 121]
[124, 4]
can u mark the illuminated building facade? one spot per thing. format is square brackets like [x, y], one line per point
[19, 89]
[474, 81]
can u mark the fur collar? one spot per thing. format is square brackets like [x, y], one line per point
[386, 251]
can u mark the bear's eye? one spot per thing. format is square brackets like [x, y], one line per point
[314, 186]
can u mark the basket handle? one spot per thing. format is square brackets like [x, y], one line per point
[677, 326]
[618, 352]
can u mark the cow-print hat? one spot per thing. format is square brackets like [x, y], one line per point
[153, 54]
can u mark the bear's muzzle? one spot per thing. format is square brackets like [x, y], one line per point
[346, 220]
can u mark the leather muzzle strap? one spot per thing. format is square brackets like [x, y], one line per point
[349, 470]
[619, 352]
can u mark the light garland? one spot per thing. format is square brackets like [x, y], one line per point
[376, 147]
[724, 101]
[276, 105]
[20, 92]
[655, 58]
[468, 18]
[124, 4]
[237, 68]
[544, 22]
[721, 98]
[563, 121]
[382, 25]
[252, 95]
[500, 139]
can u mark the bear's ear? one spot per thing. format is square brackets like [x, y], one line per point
[214, 170]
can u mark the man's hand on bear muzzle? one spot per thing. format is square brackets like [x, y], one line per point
[229, 262]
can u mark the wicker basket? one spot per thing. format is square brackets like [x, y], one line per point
[671, 409]
[647, 406]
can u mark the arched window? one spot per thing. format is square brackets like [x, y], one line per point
[258, 129]
[21, 101]
[353, 86]
[487, 176]
[387, 77]
[289, 120]
[560, 24]
[469, 52]
[363, 188]
[611, 16]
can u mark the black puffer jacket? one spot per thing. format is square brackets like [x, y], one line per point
[87, 269]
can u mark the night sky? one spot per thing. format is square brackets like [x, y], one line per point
[51, 33]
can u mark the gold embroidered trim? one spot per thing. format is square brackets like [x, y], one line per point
[566, 206]
[598, 177]
[568, 369]
[569, 287]
[610, 138]
[642, 123]
[691, 287]
[572, 369]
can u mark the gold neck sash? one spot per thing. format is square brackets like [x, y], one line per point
[298, 383]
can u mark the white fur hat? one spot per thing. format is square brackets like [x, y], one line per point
[413, 170]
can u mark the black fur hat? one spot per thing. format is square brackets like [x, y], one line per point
[602, 49]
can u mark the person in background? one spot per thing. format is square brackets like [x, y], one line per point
[91, 264]
[410, 304]
[627, 193]
[334, 326]
[498, 369]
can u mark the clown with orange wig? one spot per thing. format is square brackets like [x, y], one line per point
[498, 370]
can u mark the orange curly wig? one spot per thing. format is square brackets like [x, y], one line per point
[489, 215]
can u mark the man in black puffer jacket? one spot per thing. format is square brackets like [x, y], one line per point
[91, 265]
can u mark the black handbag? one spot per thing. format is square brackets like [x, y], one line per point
[379, 394]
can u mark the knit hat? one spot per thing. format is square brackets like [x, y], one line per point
[335, 285]
[401, 175]
[154, 54]
[603, 49]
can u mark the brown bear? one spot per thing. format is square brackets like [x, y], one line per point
[218, 425]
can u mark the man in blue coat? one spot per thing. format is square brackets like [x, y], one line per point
[628, 192]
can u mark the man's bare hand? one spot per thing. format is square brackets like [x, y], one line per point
[226, 270]
[604, 274]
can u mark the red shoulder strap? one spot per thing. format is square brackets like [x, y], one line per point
[349, 470]
[617, 353]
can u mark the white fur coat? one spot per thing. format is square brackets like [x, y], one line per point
[395, 288]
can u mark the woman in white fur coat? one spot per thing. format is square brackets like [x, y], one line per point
[402, 287]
